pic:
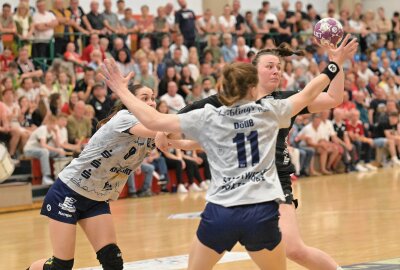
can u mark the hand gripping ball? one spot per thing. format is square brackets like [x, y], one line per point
[328, 31]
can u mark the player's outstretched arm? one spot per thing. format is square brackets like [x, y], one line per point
[147, 116]
[319, 83]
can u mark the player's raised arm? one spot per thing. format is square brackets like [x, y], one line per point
[319, 83]
[148, 116]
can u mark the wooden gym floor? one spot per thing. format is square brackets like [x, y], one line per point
[354, 217]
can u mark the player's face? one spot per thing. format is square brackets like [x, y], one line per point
[146, 95]
[269, 71]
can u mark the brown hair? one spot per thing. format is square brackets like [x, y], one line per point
[133, 88]
[237, 79]
[283, 50]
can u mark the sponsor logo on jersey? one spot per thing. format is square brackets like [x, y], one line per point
[68, 205]
[48, 207]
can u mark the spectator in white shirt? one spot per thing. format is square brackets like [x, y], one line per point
[207, 88]
[174, 101]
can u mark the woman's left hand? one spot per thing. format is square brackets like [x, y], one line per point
[110, 73]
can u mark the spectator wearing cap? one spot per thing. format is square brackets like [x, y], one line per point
[101, 102]
[44, 23]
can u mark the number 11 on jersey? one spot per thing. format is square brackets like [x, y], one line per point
[240, 140]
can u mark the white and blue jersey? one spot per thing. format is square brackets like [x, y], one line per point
[112, 154]
[232, 137]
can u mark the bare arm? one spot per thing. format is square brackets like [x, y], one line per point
[185, 144]
[146, 115]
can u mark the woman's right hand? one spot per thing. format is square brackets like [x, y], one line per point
[345, 51]
[161, 141]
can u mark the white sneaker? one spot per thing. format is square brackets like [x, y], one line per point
[156, 175]
[181, 189]
[396, 161]
[47, 180]
[204, 186]
[195, 188]
[370, 167]
[361, 168]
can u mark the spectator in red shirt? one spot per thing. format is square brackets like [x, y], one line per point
[347, 104]
[94, 44]
[5, 59]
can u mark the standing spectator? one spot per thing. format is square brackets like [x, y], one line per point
[7, 26]
[80, 22]
[161, 26]
[96, 20]
[239, 26]
[174, 101]
[384, 24]
[170, 15]
[262, 27]
[185, 22]
[79, 127]
[101, 103]
[23, 22]
[250, 27]
[44, 23]
[206, 26]
[120, 9]
[145, 21]
[227, 21]
[128, 26]
[63, 32]
[111, 21]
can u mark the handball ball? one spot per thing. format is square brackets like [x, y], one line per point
[328, 31]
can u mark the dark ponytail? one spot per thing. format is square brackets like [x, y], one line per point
[133, 88]
[283, 50]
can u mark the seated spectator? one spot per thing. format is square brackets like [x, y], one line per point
[55, 105]
[62, 121]
[79, 127]
[206, 72]
[215, 49]
[28, 91]
[72, 56]
[194, 66]
[124, 62]
[192, 170]
[207, 89]
[93, 45]
[96, 59]
[38, 146]
[68, 107]
[347, 104]
[144, 78]
[118, 44]
[63, 86]
[314, 138]
[27, 114]
[170, 75]
[174, 101]
[160, 166]
[25, 66]
[184, 56]
[374, 109]
[258, 45]
[194, 95]
[186, 82]
[90, 114]
[5, 59]
[84, 86]
[48, 86]
[241, 43]
[101, 103]
[144, 50]
[228, 52]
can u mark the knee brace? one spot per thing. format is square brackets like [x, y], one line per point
[110, 257]
[57, 264]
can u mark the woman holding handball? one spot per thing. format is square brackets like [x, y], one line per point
[242, 199]
[268, 64]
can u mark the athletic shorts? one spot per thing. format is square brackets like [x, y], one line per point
[286, 183]
[380, 142]
[65, 205]
[255, 226]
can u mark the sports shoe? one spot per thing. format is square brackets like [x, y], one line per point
[145, 193]
[361, 168]
[204, 186]
[370, 167]
[182, 189]
[195, 188]
[47, 180]
[396, 161]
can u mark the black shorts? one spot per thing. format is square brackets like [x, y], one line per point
[286, 183]
[65, 205]
[5, 137]
[255, 226]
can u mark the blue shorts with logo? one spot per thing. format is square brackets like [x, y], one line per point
[255, 226]
[65, 205]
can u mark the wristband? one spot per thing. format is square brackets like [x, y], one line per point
[331, 70]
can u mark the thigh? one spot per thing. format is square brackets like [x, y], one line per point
[99, 230]
[62, 237]
[202, 257]
[289, 226]
[270, 260]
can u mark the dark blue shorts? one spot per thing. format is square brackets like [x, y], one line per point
[65, 205]
[255, 226]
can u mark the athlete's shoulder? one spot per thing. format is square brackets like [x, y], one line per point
[284, 94]
[212, 100]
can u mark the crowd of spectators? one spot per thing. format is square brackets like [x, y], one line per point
[51, 99]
